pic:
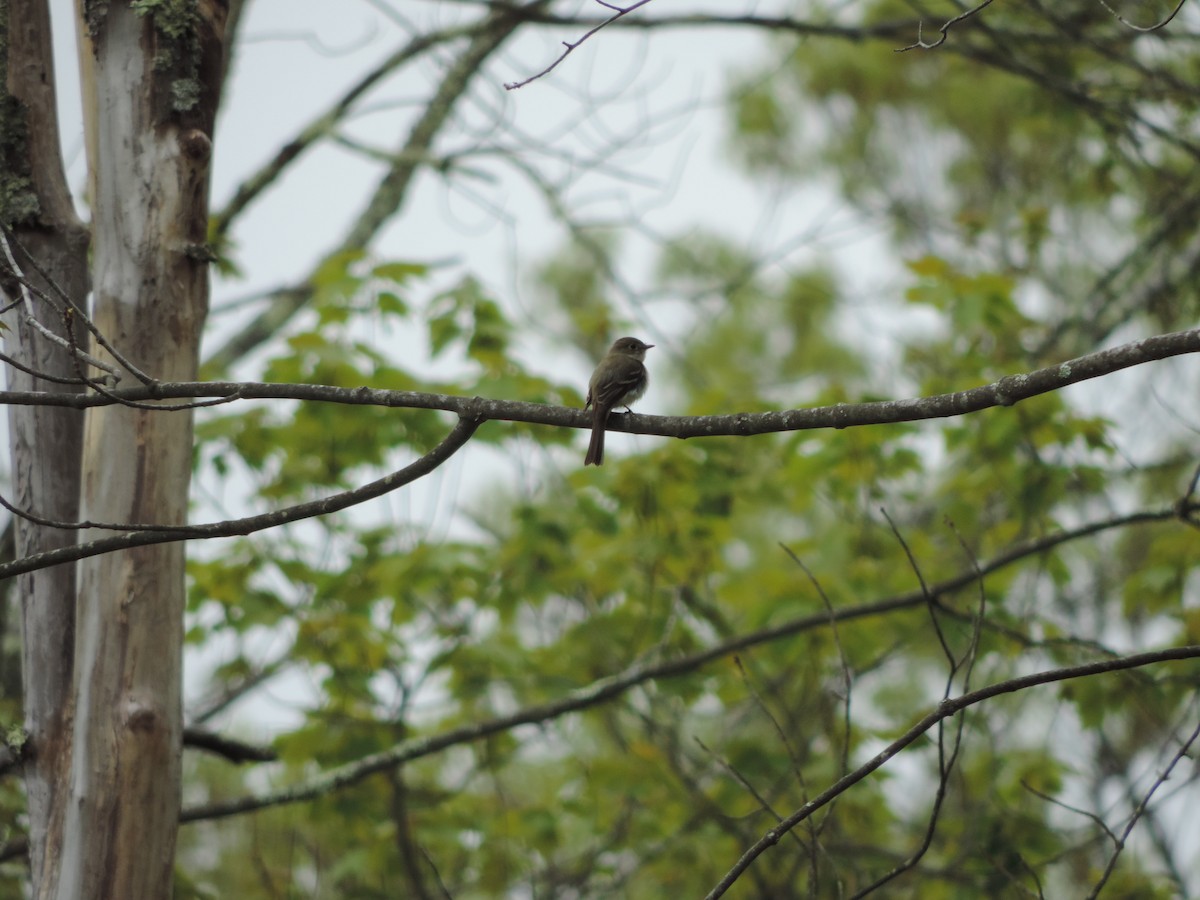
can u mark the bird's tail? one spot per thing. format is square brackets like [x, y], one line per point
[595, 451]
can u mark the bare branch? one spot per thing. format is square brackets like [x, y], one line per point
[944, 31]
[44, 376]
[607, 688]
[392, 189]
[1008, 391]
[1095, 819]
[227, 748]
[621, 13]
[945, 709]
[743, 780]
[68, 307]
[1145, 29]
[322, 125]
[945, 766]
[937, 626]
[26, 298]
[1140, 810]
[972, 651]
[847, 677]
[163, 535]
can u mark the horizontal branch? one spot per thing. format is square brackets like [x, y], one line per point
[768, 24]
[232, 750]
[1007, 391]
[473, 411]
[945, 710]
[613, 686]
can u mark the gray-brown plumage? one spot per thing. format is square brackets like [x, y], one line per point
[619, 380]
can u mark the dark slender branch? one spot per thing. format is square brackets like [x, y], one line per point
[77, 355]
[607, 688]
[227, 748]
[1145, 29]
[788, 745]
[745, 782]
[847, 677]
[322, 125]
[621, 12]
[453, 442]
[944, 710]
[389, 194]
[1140, 810]
[937, 626]
[944, 31]
[945, 766]
[232, 692]
[27, 290]
[1007, 391]
[1095, 819]
[890, 29]
[69, 307]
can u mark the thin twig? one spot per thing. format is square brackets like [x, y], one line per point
[944, 30]
[930, 605]
[847, 678]
[1140, 810]
[27, 299]
[977, 628]
[68, 319]
[945, 709]
[1144, 29]
[813, 829]
[946, 762]
[1097, 820]
[621, 13]
[44, 376]
[745, 782]
[459, 436]
[81, 526]
[78, 311]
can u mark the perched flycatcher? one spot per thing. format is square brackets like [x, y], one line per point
[619, 380]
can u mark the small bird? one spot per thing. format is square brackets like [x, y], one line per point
[619, 380]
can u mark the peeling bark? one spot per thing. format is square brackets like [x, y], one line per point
[103, 642]
[149, 143]
[45, 445]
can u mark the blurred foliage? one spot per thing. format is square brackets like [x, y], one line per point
[1034, 173]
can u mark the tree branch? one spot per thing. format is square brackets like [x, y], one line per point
[474, 411]
[227, 748]
[944, 31]
[613, 686]
[162, 535]
[1007, 391]
[1145, 29]
[944, 710]
[392, 189]
[621, 12]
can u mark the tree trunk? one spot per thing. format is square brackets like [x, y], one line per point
[45, 443]
[103, 677]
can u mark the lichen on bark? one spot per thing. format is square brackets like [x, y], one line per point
[177, 49]
[18, 199]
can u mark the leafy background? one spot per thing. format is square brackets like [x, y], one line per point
[1027, 192]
